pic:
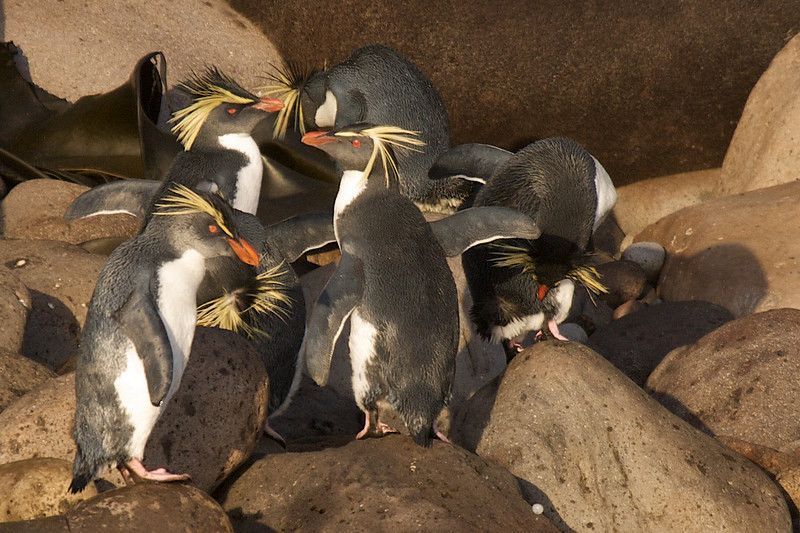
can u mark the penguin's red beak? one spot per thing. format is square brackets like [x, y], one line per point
[542, 292]
[317, 138]
[244, 251]
[269, 105]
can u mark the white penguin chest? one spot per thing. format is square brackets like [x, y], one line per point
[563, 293]
[248, 180]
[351, 185]
[177, 305]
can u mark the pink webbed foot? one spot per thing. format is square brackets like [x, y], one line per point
[440, 435]
[552, 325]
[134, 471]
[379, 430]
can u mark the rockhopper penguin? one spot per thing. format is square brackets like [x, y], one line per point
[219, 152]
[393, 283]
[376, 84]
[139, 330]
[518, 285]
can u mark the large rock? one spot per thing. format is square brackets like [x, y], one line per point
[15, 306]
[35, 210]
[739, 380]
[378, 485]
[636, 343]
[740, 252]
[36, 488]
[74, 48]
[763, 151]
[601, 455]
[665, 101]
[18, 375]
[140, 508]
[208, 429]
[61, 279]
[645, 202]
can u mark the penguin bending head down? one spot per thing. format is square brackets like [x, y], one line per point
[139, 330]
[519, 286]
[393, 283]
[377, 84]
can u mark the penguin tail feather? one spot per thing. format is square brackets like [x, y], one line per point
[423, 437]
[83, 472]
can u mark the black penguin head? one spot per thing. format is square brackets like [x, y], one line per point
[365, 148]
[203, 222]
[546, 268]
[220, 106]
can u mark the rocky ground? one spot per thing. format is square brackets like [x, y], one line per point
[673, 408]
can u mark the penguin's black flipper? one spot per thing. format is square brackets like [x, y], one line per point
[125, 196]
[478, 225]
[473, 160]
[140, 321]
[331, 311]
[299, 234]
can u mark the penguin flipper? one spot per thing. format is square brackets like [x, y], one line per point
[471, 160]
[299, 234]
[331, 311]
[123, 196]
[140, 321]
[478, 225]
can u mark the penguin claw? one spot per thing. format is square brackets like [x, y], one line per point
[380, 430]
[274, 435]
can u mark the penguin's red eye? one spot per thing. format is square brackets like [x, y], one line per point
[356, 143]
[232, 110]
[213, 228]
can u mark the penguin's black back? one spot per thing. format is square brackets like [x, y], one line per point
[552, 181]
[410, 296]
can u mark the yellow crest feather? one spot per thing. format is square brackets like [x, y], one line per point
[383, 137]
[289, 82]
[185, 201]
[510, 256]
[208, 92]
[267, 297]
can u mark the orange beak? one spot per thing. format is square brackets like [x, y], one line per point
[317, 138]
[542, 292]
[269, 105]
[244, 251]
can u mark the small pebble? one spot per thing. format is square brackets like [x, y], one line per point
[537, 508]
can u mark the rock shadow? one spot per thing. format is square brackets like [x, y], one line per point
[697, 277]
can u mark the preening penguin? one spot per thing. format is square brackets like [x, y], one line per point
[219, 152]
[139, 331]
[376, 84]
[393, 282]
[519, 286]
[265, 303]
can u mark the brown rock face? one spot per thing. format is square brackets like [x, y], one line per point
[61, 279]
[664, 101]
[739, 380]
[15, 306]
[378, 485]
[18, 375]
[36, 488]
[637, 343]
[149, 507]
[35, 210]
[763, 151]
[740, 252]
[601, 455]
